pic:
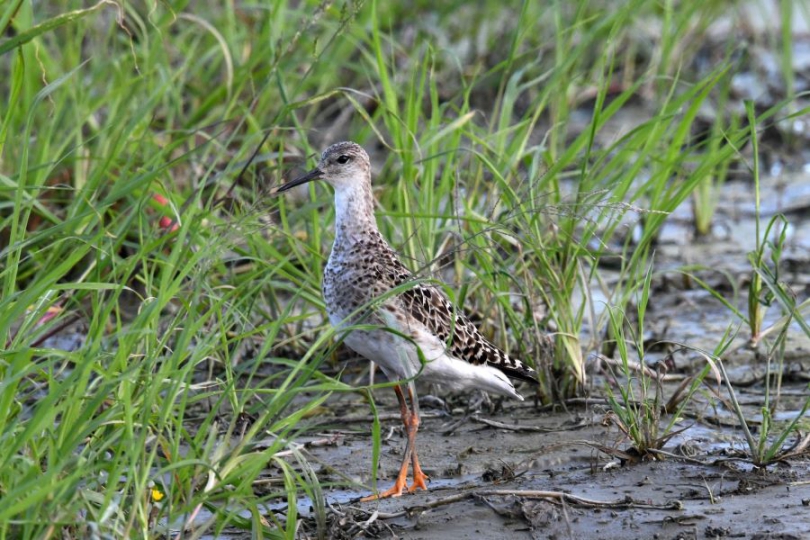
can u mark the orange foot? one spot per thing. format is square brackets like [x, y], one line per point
[420, 481]
[394, 491]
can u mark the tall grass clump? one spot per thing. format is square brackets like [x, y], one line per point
[646, 417]
[766, 289]
[145, 386]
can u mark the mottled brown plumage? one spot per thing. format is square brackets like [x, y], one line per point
[372, 276]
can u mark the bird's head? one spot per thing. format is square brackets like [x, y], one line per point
[344, 165]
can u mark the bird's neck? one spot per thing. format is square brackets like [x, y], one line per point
[354, 214]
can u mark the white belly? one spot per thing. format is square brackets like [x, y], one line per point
[399, 358]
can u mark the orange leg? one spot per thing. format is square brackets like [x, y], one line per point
[420, 479]
[411, 421]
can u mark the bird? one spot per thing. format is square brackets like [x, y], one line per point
[409, 326]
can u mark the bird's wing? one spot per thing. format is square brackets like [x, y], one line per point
[429, 306]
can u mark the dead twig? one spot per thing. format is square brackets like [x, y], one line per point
[646, 371]
[369, 418]
[560, 496]
[554, 496]
[511, 427]
[521, 427]
[421, 508]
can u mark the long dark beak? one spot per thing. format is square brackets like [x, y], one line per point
[314, 174]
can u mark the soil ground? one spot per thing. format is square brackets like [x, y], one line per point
[676, 497]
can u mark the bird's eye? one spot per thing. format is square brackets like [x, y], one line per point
[343, 159]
